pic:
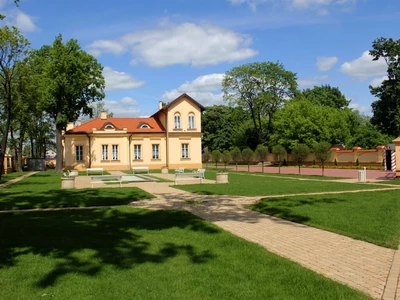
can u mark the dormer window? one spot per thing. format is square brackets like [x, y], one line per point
[109, 127]
[145, 126]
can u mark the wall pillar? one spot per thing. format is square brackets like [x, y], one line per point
[397, 144]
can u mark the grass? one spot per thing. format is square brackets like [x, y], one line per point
[13, 175]
[369, 216]
[263, 185]
[42, 190]
[128, 253]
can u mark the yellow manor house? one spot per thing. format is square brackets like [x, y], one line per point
[169, 138]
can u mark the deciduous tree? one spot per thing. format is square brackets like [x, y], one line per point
[261, 89]
[386, 110]
[236, 156]
[74, 80]
[262, 154]
[300, 153]
[280, 154]
[247, 156]
[322, 152]
[216, 156]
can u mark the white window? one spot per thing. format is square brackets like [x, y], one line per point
[145, 126]
[137, 152]
[79, 153]
[114, 152]
[104, 152]
[185, 150]
[177, 121]
[155, 151]
[191, 121]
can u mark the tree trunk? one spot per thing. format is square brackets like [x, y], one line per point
[263, 167]
[322, 168]
[279, 168]
[299, 169]
[236, 166]
[60, 148]
[248, 167]
[3, 145]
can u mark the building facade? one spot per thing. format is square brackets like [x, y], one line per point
[169, 138]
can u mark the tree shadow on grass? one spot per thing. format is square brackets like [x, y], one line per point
[283, 207]
[84, 241]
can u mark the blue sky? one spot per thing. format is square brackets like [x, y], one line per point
[155, 50]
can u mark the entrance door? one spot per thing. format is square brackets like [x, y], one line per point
[389, 160]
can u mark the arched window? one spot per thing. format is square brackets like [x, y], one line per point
[145, 126]
[109, 127]
[191, 123]
[177, 121]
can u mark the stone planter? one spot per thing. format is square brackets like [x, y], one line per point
[222, 178]
[67, 183]
[164, 170]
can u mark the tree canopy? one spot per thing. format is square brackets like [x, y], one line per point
[326, 95]
[260, 88]
[386, 110]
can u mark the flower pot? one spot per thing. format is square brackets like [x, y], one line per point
[67, 183]
[164, 170]
[222, 178]
[73, 173]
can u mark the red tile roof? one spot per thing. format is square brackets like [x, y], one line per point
[131, 124]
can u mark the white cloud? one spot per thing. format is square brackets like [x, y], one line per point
[378, 81]
[326, 63]
[120, 80]
[312, 81]
[204, 89]
[187, 43]
[21, 20]
[364, 67]
[126, 107]
[361, 108]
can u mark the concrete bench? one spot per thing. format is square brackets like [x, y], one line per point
[106, 178]
[94, 170]
[140, 169]
[195, 175]
[180, 170]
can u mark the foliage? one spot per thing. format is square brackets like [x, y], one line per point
[300, 153]
[97, 108]
[262, 154]
[247, 156]
[357, 162]
[216, 156]
[236, 155]
[73, 80]
[261, 89]
[2, 17]
[13, 50]
[220, 125]
[226, 157]
[386, 110]
[279, 153]
[326, 95]
[322, 152]
[206, 158]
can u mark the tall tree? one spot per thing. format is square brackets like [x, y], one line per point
[327, 96]
[13, 49]
[74, 80]
[386, 110]
[261, 89]
[247, 156]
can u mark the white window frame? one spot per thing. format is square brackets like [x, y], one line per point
[185, 151]
[137, 152]
[104, 152]
[115, 152]
[79, 153]
[155, 151]
[177, 121]
[191, 122]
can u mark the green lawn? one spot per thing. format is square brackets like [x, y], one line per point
[42, 190]
[370, 216]
[128, 253]
[7, 177]
[263, 185]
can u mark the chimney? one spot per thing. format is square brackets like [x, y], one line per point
[160, 105]
[70, 126]
[103, 115]
[79, 123]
